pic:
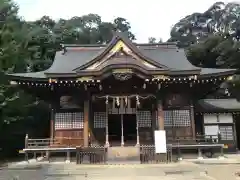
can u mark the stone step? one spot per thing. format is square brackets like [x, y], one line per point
[123, 154]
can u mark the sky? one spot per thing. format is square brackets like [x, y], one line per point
[148, 18]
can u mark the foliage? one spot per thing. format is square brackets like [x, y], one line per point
[211, 39]
[220, 18]
[154, 40]
[12, 50]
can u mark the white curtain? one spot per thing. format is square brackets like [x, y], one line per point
[225, 118]
[210, 118]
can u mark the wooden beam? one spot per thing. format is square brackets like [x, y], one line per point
[86, 123]
[160, 115]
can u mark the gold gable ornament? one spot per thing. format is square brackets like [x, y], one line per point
[118, 47]
[86, 79]
[160, 77]
[122, 74]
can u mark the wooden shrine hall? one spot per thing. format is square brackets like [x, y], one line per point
[118, 94]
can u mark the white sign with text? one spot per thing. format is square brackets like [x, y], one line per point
[160, 141]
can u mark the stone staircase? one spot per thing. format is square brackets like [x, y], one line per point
[123, 155]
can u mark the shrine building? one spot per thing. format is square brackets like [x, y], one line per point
[120, 93]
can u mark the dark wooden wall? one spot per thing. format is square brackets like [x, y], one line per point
[177, 116]
[69, 137]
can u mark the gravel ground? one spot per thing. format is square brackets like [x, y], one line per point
[178, 171]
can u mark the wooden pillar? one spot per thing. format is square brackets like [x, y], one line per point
[154, 118]
[107, 135]
[86, 122]
[137, 128]
[52, 126]
[192, 120]
[26, 141]
[154, 121]
[160, 115]
[122, 136]
[235, 132]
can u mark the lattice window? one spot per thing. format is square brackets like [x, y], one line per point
[181, 118]
[226, 132]
[73, 120]
[144, 118]
[177, 118]
[168, 118]
[100, 119]
[77, 120]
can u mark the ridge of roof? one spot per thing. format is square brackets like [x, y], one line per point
[152, 45]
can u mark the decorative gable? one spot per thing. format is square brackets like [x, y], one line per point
[118, 50]
[120, 46]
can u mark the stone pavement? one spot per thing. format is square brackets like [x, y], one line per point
[61, 171]
[176, 171]
[223, 172]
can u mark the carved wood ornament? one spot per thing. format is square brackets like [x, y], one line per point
[122, 74]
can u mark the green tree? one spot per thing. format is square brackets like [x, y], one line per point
[154, 40]
[211, 39]
[15, 105]
[220, 18]
[12, 51]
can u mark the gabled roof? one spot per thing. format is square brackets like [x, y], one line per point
[216, 105]
[157, 58]
[118, 43]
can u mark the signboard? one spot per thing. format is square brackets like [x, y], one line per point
[160, 141]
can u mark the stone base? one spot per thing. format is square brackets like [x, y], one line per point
[180, 159]
[67, 161]
[119, 155]
[221, 157]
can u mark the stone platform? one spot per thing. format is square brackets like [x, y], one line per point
[123, 155]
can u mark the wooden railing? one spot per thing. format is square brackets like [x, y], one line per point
[202, 139]
[55, 142]
[148, 155]
[91, 155]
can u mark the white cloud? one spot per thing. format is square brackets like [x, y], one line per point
[147, 18]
